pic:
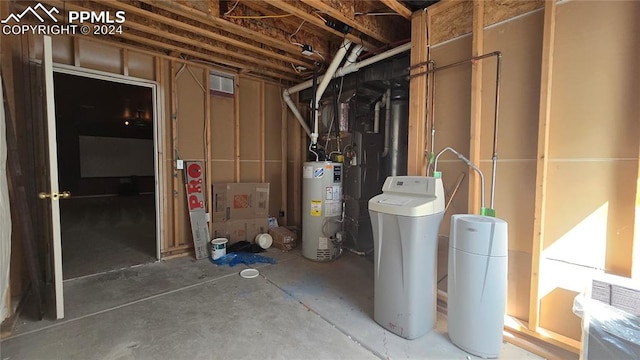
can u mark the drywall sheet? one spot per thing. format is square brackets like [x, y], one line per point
[140, 65]
[453, 106]
[222, 127]
[274, 146]
[190, 112]
[453, 95]
[96, 56]
[115, 157]
[520, 41]
[593, 154]
[274, 178]
[250, 145]
[594, 112]
[250, 171]
[222, 171]
[62, 47]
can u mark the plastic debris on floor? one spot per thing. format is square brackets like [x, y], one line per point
[235, 258]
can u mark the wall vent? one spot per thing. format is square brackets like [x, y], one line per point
[221, 83]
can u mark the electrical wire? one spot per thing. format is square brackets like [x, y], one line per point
[232, 8]
[297, 30]
[258, 16]
[376, 14]
[318, 15]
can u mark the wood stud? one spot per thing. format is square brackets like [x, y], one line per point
[542, 162]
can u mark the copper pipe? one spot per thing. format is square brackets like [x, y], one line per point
[498, 55]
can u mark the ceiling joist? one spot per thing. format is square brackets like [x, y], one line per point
[396, 6]
[337, 11]
[298, 9]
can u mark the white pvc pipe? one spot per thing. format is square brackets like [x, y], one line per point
[347, 69]
[337, 59]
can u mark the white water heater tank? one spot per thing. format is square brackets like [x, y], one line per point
[321, 209]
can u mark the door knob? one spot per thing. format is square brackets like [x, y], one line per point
[55, 195]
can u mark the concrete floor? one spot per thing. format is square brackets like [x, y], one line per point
[106, 233]
[183, 309]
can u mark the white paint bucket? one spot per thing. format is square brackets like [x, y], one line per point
[264, 240]
[218, 248]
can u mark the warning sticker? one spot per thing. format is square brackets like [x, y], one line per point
[318, 173]
[307, 172]
[323, 243]
[316, 207]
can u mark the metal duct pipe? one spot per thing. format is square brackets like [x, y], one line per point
[387, 116]
[398, 133]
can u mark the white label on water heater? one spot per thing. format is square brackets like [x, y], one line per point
[307, 172]
[323, 243]
[332, 208]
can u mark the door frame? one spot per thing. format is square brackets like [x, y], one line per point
[158, 132]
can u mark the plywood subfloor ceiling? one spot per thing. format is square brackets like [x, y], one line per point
[263, 38]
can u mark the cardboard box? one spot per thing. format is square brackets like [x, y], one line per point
[239, 230]
[240, 201]
[283, 238]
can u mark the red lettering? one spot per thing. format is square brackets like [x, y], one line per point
[194, 186]
[194, 203]
[194, 170]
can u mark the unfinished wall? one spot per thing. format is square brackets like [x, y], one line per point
[593, 154]
[593, 144]
[196, 125]
[520, 41]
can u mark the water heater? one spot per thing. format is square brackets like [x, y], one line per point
[321, 209]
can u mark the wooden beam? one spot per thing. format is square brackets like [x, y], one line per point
[180, 49]
[208, 155]
[226, 53]
[396, 6]
[542, 160]
[295, 9]
[261, 112]
[223, 25]
[283, 156]
[292, 21]
[328, 9]
[477, 48]
[236, 131]
[441, 6]
[635, 258]
[174, 138]
[418, 92]
[196, 54]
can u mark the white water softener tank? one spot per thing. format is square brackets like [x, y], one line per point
[321, 209]
[477, 283]
[405, 220]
